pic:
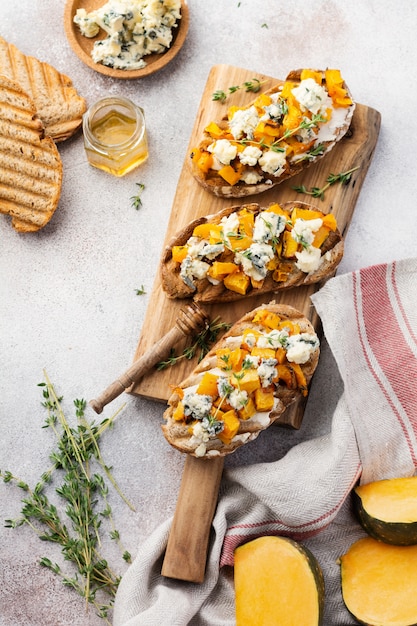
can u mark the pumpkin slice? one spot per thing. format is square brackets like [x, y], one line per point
[278, 582]
[379, 583]
[387, 509]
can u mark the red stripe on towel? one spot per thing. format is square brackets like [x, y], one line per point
[300, 532]
[388, 347]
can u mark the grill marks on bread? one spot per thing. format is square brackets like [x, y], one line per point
[30, 164]
[57, 102]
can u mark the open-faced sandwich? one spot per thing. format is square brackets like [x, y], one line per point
[283, 131]
[261, 366]
[249, 250]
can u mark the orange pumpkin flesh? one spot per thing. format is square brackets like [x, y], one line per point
[379, 583]
[277, 583]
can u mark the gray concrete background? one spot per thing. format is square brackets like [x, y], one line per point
[68, 300]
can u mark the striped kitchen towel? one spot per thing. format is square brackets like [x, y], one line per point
[370, 324]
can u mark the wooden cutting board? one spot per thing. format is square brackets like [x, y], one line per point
[187, 548]
[192, 201]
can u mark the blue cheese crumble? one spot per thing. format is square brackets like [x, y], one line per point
[135, 28]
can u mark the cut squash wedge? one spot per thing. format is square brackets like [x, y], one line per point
[387, 509]
[379, 583]
[278, 582]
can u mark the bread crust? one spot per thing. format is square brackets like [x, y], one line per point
[216, 185]
[177, 433]
[206, 292]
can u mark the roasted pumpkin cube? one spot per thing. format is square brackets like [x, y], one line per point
[239, 242]
[263, 100]
[246, 380]
[281, 355]
[203, 159]
[215, 131]
[337, 92]
[248, 410]
[237, 282]
[218, 269]
[178, 413]
[264, 400]
[264, 129]
[208, 385]
[246, 222]
[202, 230]
[223, 358]
[275, 208]
[231, 426]
[286, 374]
[329, 220]
[320, 236]
[230, 175]
[256, 284]
[289, 245]
[292, 327]
[317, 76]
[237, 356]
[300, 378]
[267, 319]
[305, 214]
[293, 118]
[179, 253]
[263, 353]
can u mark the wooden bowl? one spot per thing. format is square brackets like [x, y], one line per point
[82, 46]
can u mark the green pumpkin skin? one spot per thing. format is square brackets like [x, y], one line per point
[395, 533]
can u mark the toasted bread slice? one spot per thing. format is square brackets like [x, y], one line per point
[262, 365]
[30, 164]
[248, 250]
[281, 133]
[58, 104]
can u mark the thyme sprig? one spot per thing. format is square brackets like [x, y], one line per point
[318, 192]
[137, 199]
[200, 344]
[83, 490]
[253, 85]
[305, 124]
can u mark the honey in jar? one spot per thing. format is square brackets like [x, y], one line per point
[115, 135]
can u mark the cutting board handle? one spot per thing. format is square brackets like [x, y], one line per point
[188, 542]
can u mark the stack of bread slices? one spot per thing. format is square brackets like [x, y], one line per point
[38, 108]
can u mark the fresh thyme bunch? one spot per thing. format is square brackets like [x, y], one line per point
[84, 491]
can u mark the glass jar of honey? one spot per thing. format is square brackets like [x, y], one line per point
[115, 135]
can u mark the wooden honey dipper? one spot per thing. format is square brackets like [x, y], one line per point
[191, 319]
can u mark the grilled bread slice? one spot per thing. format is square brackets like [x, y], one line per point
[249, 250]
[261, 366]
[59, 105]
[30, 164]
[277, 136]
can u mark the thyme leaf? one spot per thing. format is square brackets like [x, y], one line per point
[253, 85]
[137, 200]
[200, 344]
